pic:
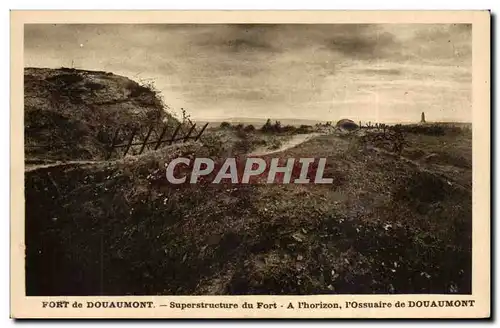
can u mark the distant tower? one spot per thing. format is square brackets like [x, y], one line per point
[422, 120]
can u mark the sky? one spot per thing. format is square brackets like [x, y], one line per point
[369, 72]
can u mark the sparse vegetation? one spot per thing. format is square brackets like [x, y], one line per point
[359, 235]
[397, 218]
[72, 114]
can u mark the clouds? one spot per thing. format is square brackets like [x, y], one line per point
[307, 71]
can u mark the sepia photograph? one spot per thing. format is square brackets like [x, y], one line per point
[223, 159]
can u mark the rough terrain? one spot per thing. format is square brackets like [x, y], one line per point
[389, 223]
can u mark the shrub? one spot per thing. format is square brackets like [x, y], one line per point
[267, 127]
[274, 144]
[240, 133]
[277, 126]
[431, 130]
[289, 128]
[304, 129]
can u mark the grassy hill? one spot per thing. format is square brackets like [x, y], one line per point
[71, 114]
[388, 224]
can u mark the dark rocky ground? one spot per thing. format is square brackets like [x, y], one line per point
[386, 225]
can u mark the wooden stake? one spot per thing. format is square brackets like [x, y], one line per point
[134, 131]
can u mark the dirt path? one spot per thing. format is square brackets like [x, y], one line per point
[32, 167]
[295, 140]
